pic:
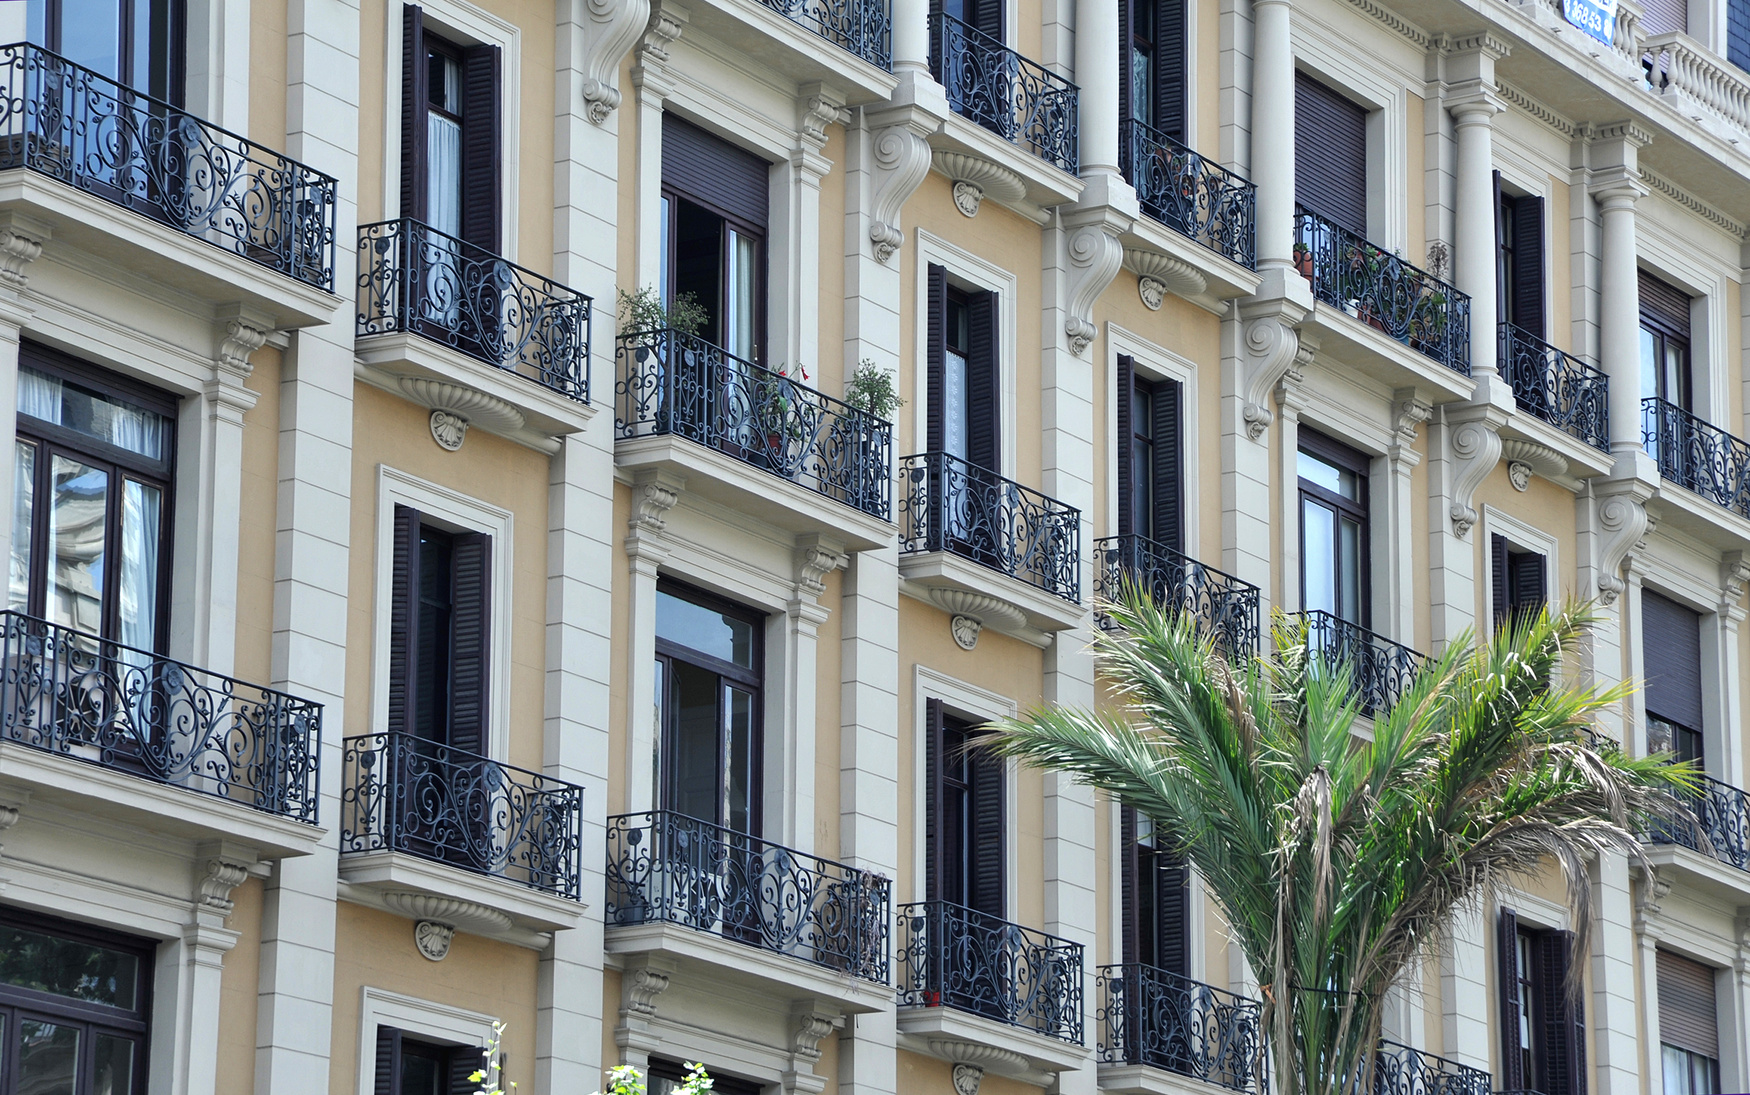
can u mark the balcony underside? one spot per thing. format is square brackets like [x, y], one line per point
[490, 398]
[1677, 507]
[754, 30]
[1043, 185]
[963, 1038]
[729, 967]
[1185, 267]
[1577, 460]
[92, 232]
[1022, 610]
[411, 886]
[1346, 340]
[1700, 872]
[1148, 1080]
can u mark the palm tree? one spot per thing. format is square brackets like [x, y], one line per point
[1338, 857]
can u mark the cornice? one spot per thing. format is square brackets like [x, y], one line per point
[1524, 103]
[1661, 185]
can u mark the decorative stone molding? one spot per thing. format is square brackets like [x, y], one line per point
[219, 876]
[815, 559]
[1409, 411]
[821, 106]
[21, 243]
[901, 161]
[8, 818]
[1272, 347]
[458, 914]
[1526, 458]
[610, 29]
[811, 1026]
[967, 1078]
[1622, 523]
[981, 608]
[242, 332]
[1095, 257]
[1654, 889]
[448, 430]
[965, 630]
[432, 939]
[976, 179]
[1475, 443]
[652, 497]
[662, 30]
[641, 986]
[1167, 275]
[473, 406]
[979, 1055]
[1734, 576]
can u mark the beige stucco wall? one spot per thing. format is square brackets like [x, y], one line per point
[239, 982]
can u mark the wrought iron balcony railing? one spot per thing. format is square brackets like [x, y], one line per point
[405, 794]
[1556, 386]
[1226, 608]
[951, 956]
[1697, 455]
[75, 694]
[1151, 1017]
[947, 504]
[1722, 816]
[1379, 668]
[1195, 197]
[675, 383]
[861, 27]
[1021, 101]
[1400, 1070]
[414, 278]
[1383, 291]
[92, 133]
[665, 867]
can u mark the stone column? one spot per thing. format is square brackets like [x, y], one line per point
[1470, 70]
[191, 969]
[1646, 938]
[1097, 75]
[1273, 129]
[911, 38]
[1615, 1014]
[1409, 411]
[1464, 994]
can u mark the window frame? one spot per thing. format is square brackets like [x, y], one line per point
[1334, 452]
[127, 26]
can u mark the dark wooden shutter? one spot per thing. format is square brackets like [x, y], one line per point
[987, 16]
[1169, 86]
[935, 352]
[1665, 16]
[1126, 38]
[471, 646]
[463, 1062]
[482, 168]
[1172, 893]
[983, 396]
[989, 835]
[1125, 448]
[1525, 571]
[403, 620]
[413, 112]
[1498, 575]
[1526, 307]
[1500, 208]
[387, 1080]
[1127, 884]
[1665, 304]
[932, 730]
[1560, 1064]
[1168, 465]
[1671, 649]
[1330, 154]
[1688, 1015]
[714, 173]
[1507, 984]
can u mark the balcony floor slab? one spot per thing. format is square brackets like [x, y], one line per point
[1147, 1080]
[385, 360]
[729, 966]
[953, 1035]
[1345, 339]
[527, 914]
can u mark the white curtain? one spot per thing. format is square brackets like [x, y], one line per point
[137, 431]
[141, 515]
[23, 495]
[39, 396]
[444, 158]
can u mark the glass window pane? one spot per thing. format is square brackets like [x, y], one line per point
[1327, 475]
[68, 967]
[1318, 539]
[23, 499]
[741, 326]
[1349, 570]
[142, 516]
[48, 1058]
[79, 509]
[692, 760]
[1142, 98]
[741, 760]
[1649, 366]
[955, 427]
[91, 35]
[422, 1069]
[93, 414]
[112, 1073]
[706, 630]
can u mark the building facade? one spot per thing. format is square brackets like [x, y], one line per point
[456, 580]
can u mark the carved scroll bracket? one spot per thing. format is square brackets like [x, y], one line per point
[610, 29]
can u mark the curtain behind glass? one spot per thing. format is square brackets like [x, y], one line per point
[23, 504]
[740, 330]
[39, 395]
[142, 508]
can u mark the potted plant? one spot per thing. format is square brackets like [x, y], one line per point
[645, 311]
[1303, 260]
[874, 390]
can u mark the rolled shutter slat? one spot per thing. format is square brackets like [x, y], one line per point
[932, 799]
[1126, 444]
[1169, 89]
[714, 173]
[482, 203]
[1498, 576]
[1664, 303]
[1688, 1012]
[403, 619]
[1671, 647]
[990, 835]
[935, 352]
[471, 649]
[1169, 480]
[1527, 302]
[413, 112]
[387, 1078]
[1330, 154]
[983, 397]
[1507, 982]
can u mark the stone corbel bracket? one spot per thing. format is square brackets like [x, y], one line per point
[1271, 348]
[21, 243]
[1158, 274]
[455, 407]
[1622, 524]
[1095, 257]
[1474, 441]
[610, 29]
[1527, 458]
[976, 179]
[899, 152]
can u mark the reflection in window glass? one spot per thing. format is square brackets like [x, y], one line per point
[48, 1058]
[709, 632]
[95, 415]
[23, 499]
[112, 1073]
[1318, 527]
[68, 967]
[79, 505]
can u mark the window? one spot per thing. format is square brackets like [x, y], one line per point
[985, 16]
[1671, 653]
[666, 1075]
[1519, 229]
[1738, 32]
[92, 501]
[963, 373]
[1148, 457]
[709, 669]
[440, 634]
[1518, 577]
[407, 1065]
[139, 43]
[1154, 884]
[1333, 529]
[74, 1008]
[965, 838]
[1330, 154]
[1151, 49]
[450, 161]
[715, 205]
[1665, 371]
[1541, 1027]
[1689, 1028]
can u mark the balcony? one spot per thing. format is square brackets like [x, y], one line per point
[1154, 1020]
[709, 896]
[419, 816]
[1195, 197]
[1403, 302]
[1721, 829]
[1697, 455]
[1379, 668]
[202, 189]
[976, 988]
[1400, 1070]
[163, 745]
[415, 279]
[1556, 387]
[1021, 101]
[863, 28]
[1226, 608]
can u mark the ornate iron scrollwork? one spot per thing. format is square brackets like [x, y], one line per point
[952, 956]
[1151, 1017]
[861, 27]
[1400, 1070]
[1697, 455]
[1557, 387]
[1194, 196]
[1021, 101]
[1380, 669]
[948, 504]
[1721, 827]
[1226, 607]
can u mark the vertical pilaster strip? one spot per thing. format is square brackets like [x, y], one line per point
[1464, 996]
[21, 242]
[1615, 1013]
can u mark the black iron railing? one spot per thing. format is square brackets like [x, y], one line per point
[1400, 1070]
[1722, 817]
[675, 383]
[862, 27]
[72, 693]
[1379, 668]
[665, 867]
[1383, 291]
[1697, 455]
[1556, 386]
[951, 956]
[1193, 196]
[1019, 100]
[1226, 608]
[1151, 1017]
[947, 504]
[405, 794]
[90, 132]
[414, 278]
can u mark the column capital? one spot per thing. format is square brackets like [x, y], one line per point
[1734, 576]
[1616, 189]
[1486, 43]
[1475, 104]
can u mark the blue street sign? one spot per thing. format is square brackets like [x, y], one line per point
[1595, 17]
